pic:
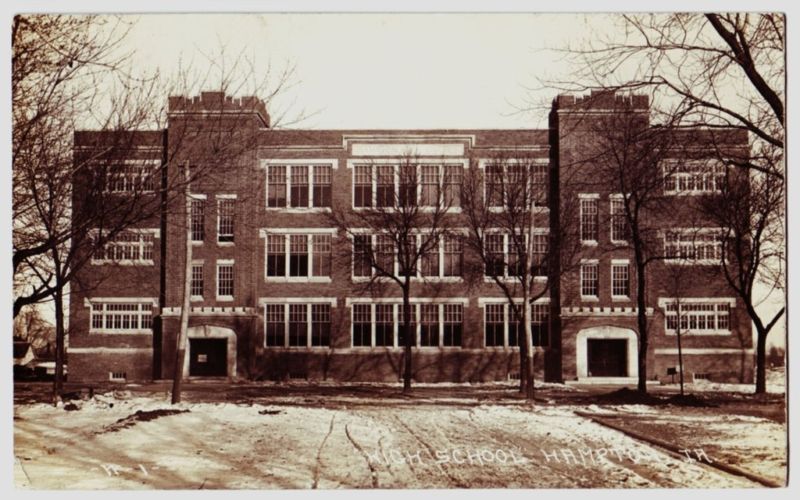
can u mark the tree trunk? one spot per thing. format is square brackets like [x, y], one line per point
[527, 289]
[410, 339]
[523, 365]
[530, 391]
[180, 351]
[641, 319]
[58, 379]
[761, 361]
[680, 350]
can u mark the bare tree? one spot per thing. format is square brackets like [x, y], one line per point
[508, 230]
[395, 228]
[750, 212]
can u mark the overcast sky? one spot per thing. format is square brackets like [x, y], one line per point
[380, 70]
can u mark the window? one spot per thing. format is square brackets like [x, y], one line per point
[539, 264]
[494, 323]
[429, 331]
[385, 186]
[198, 219]
[504, 252]
[117, 376]
[298, 325]
[321, 250]
[453, 256]
[495, 255]
[430, 261]
[384, 253]
[694, 177]
[440, 325]
[706, 317]
[276, 186]
[276, 255]
[589, 285]
[620, 280]
[320, 325]
[408, 186]
[362, 325]
[453, 319]
[540, 324]
[301, 257]
[430, 186]
[701, 246]
[299, 186]
[494, 185]
[275, 323]
[322, 185]
[588, 215]
[361, 258]
[120, 317]
[362, 186]
[453, 179]
[224, 280]
[128, 176]
[499, 318]
[126, 247]
[226, 208]
[384, 325]
[298, 255]
[619, 222]
[197, 281]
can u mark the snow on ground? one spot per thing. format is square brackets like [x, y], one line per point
[355, 443]
[776, 384]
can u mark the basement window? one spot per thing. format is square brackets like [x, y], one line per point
[117, 376]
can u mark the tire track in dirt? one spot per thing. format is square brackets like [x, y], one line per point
[450, 477]
[372, 471]
[318, 464]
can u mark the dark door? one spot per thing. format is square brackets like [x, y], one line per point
[608, 357]
[208, 357]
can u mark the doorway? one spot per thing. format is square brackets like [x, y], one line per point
[208, 357]
[607, 357]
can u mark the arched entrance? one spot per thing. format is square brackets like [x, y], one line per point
[606, 352]
[210, 352]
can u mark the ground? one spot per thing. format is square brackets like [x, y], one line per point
[317, 435]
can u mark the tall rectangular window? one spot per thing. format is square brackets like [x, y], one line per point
[224, 280]
[539, 186]
[494, 185]
[275, 323]
[588, 215]
[298, 325]
[276, 255]
[589, 278]
[619, 223]
[540, 324]
[361, 256]
[408, 186]
[453, 256]
[453, 320]
[198, 219]
[321, 250]
[226, 207]
[495, 255]
[322, 186]
[362, 325]
[384, 325]
[362, 186]
[540, 254]
[298, 255]
[197, 280]
[299, 186]
[515, 329]
[429, 266]
[494, 324]
[276, 186]
[412, 328]
[320, 325]
[620, 280]
[453, 179]
[430, 185]
[385, 186]
[384, 253]
[429, 327]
